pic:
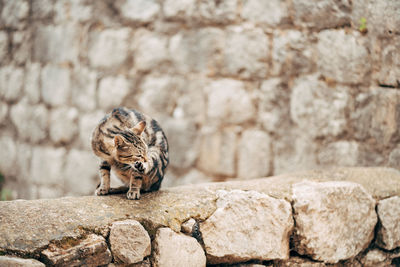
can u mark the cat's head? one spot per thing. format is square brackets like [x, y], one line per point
[129, 145]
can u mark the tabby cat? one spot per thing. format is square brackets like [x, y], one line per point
[135, 147]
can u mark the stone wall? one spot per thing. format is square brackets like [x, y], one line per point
[243, 88]
[335, 217]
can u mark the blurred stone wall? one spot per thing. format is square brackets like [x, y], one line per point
[242, 88]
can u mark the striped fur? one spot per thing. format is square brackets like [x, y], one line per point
[134, 147]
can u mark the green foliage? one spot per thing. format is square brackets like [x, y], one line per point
[363, 25]
[5, 194]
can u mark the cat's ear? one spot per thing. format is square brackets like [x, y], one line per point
[118, 141]
[139, 128]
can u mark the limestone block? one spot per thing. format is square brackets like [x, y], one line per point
[63, 124]
[324, 14]
[14, 14]
[56, 85]
[394, 158]
[340, 153]
[265, 13]
[10, 261]
[49, 192]
[217, 154]
[176, 249]
[130, 242]
[112, 91]
[194, 176]
[182, 9]
[343, 57]
[389, 59]
[47, 165]
[57, 44]
[32, 79]
[8, 154]
[75, 11]
[334, 220]
[222, 12]
[31, 121]
[21, 46]
[299, 262]
[151, 49]
[3, 112]
[247, 225]
[3, 45]
[318, 108]
[245, 53]
[83, 88]
[87, 123]
[376, 258]
[228, 102]
[188, 226]
[389, 226]
[23, 163]
[11, 83]
[254, 154]
[42, 9]
[142, 11]
[89, 251]
[109, 48]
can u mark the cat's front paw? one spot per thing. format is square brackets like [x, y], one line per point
[133, 194]
[101, 191]
[139, 166]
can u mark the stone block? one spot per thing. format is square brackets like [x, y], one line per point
[179, 10]
[228, 102]
[376, 258]
[340, 153]
[245, 53]
[176, 249]
[389, 223]
[247, 226]
[23, 163]
[3, 112]
[81, 172]
[140, 11]
[394, 158]
[14, 14]
[318, 108]
[75, 11]
[388, 59]
[322, 15]
[194, 176]
[91, 250]
[11, 83]
[32, 79]
[49, 192]
[112, 91]
[21, 46]
[47, 165]
[10, 261]
[83, 88]
[31, 121]
[63, 125]
[254, 154]
[130, 242]
[8, 155]
[217, 154]
[109, 48]
[87, 123]
[3, 46]
[150, 50]
[334, 220]
[222, 12]
[298, 262]
[42, 9]
[343, 56]
[265, 13]
[56, 85]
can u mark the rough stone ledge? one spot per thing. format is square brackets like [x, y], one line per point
[28, 227]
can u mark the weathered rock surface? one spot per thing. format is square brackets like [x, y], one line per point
[175, 249]
[18, 262]
[130, 242]
[247, 225]
[334, 220]
[89, 251]
[389, 223]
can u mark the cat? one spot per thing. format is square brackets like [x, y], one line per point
[135, 147]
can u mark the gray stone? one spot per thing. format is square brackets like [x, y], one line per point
[56, 85]
[222, 12]
[130, 242]
[265, 13]
[83, 88]
[142, 11]
[57, 44]
[217, 154]
[87, 123]
[321, 15]
[75, 11]
[8, 154]
[376, 258]
[334, 220]
[228, 102]
[3, 45]
[389, 58]
[188, 226]
[261, 224]
[42, 9]
[194, 176]
[10, 261]
[182, 9]
[11, 83]
[23, 163]
[343, 57]
[176, 249]
[49, 191]
[150, 50]
[21, 46]
[81, 172]
[112, 91]
[32, 79]
[389, 226]
[47, 166]
[3, 112]
[31, 121]
[89, 251]
[340, 153]
[109, 48]
[312, 110]
[394, 157]
[254, 154]
[14, 14]
[245, 53]
[63, 125]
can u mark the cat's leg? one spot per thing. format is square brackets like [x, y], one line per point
[104, 187]
[135, 185]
